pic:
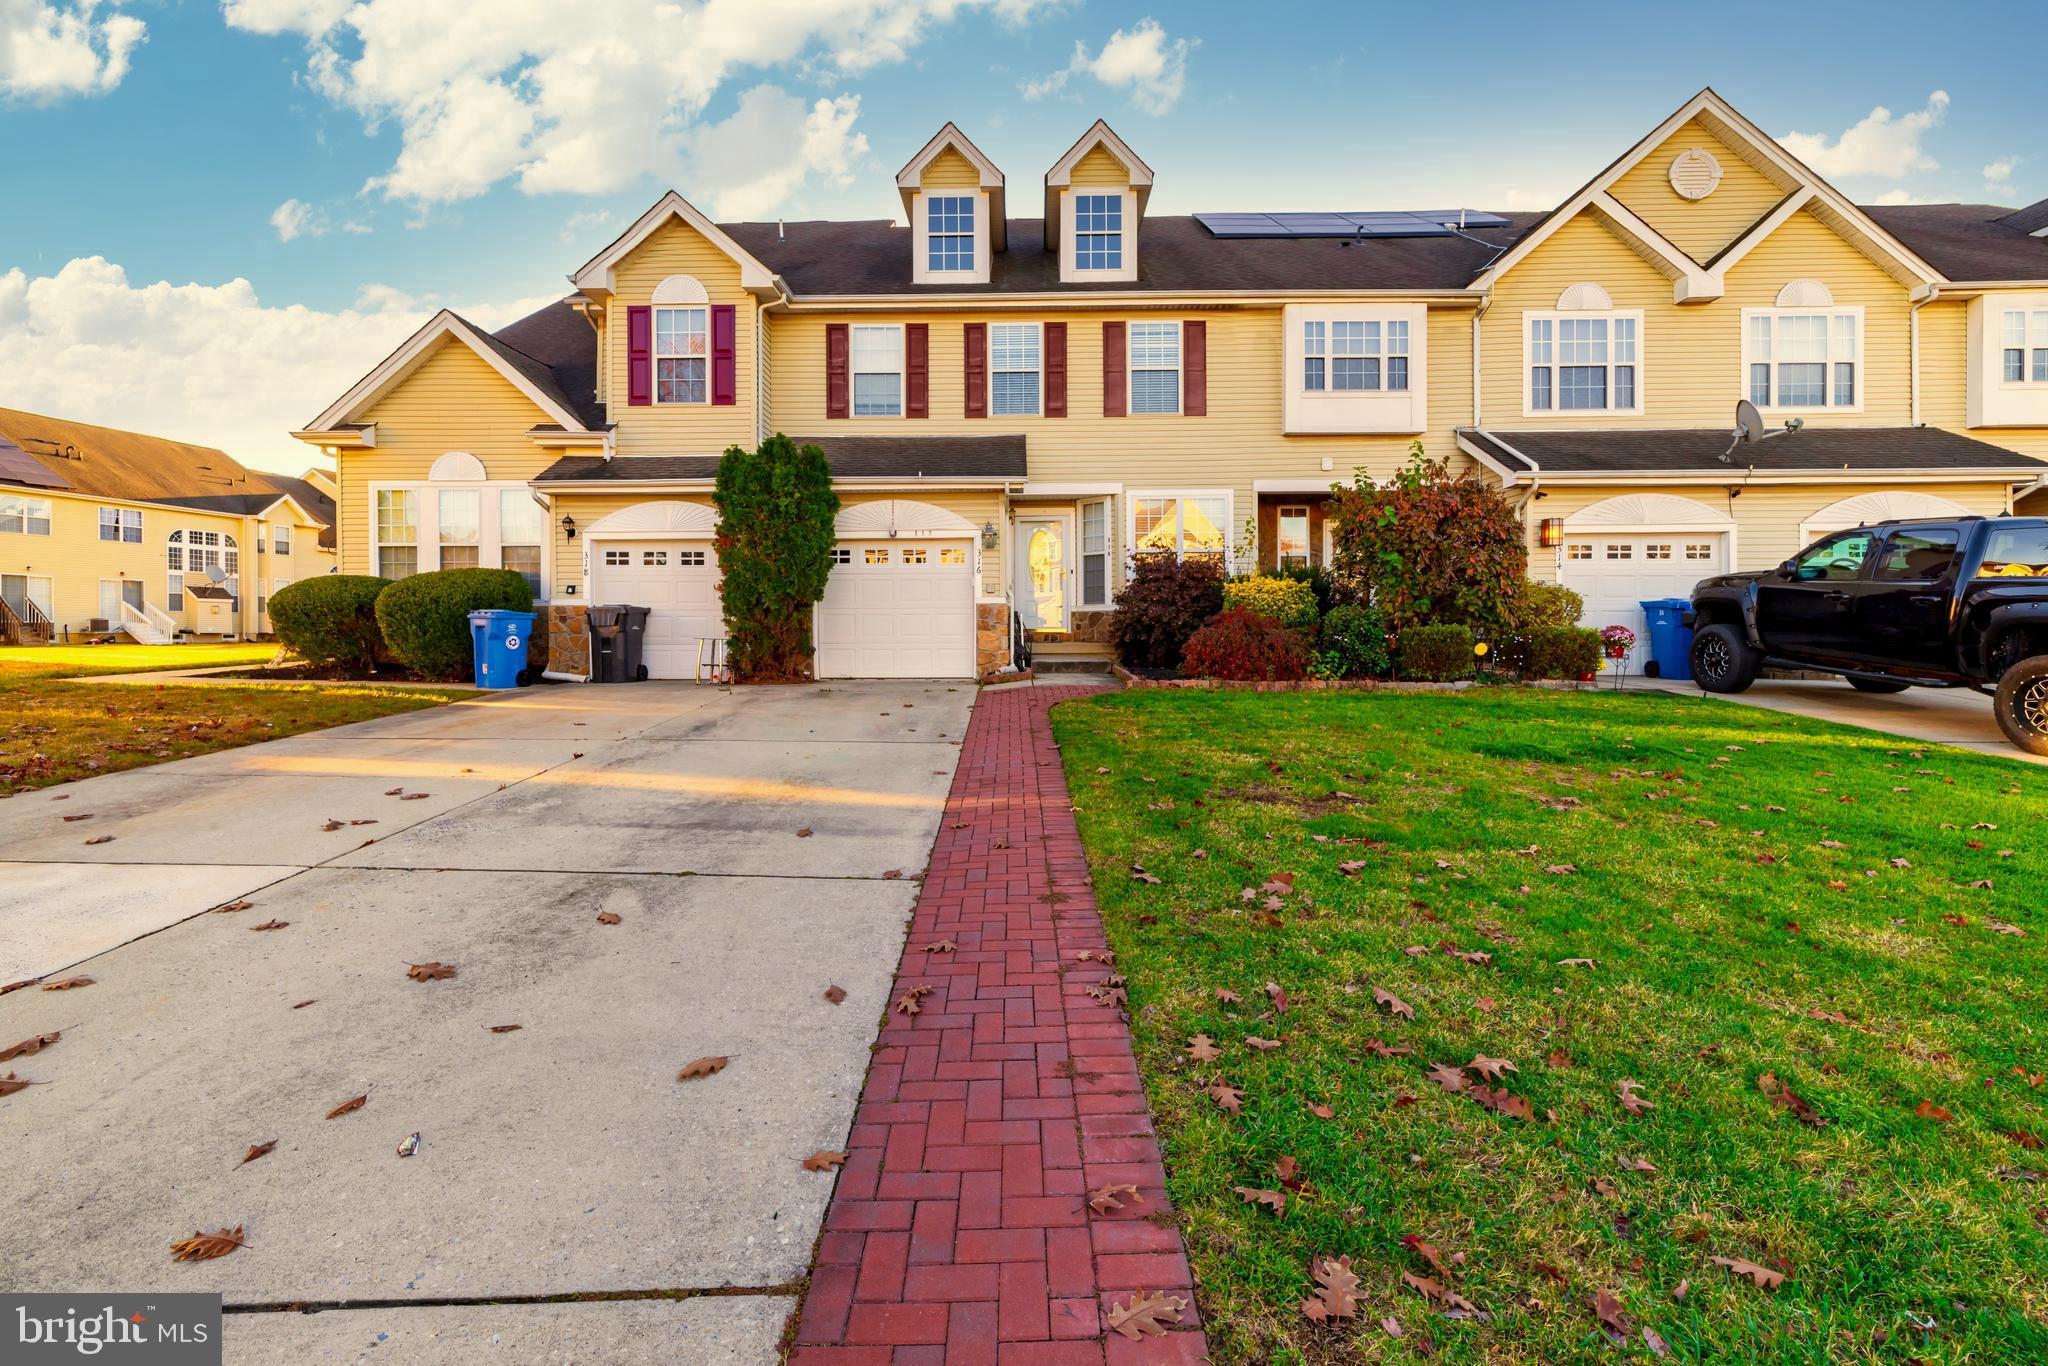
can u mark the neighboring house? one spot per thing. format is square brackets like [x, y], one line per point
[1013, 406]
[110, 530]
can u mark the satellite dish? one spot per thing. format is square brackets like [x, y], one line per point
[1750, 428]
[215, 574]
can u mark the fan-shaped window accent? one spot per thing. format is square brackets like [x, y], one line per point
[1806, 294]
[681, 289]
[1865, 508]
[457, 465]
[1583, 298]
[1648, 511]
[899, 516]
[665, 518]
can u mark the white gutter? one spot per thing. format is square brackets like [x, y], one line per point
[1120, 299]
[1931, 293]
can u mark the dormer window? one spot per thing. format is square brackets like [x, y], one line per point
[949, 232]
[2024, 358]
[1098, 232]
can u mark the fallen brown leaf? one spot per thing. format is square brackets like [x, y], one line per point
[1227, 997]
[1202, 1048]
[822, 1161]
[1763, 1276]
[10, 1083]
[1262, 1045]
[271, 925]
[349, 1106]
[701, 1067]
[1275, 1201]
[1336, 1296]
[430, 972]
[35, 1043]
[608, 918]
[1110, 1199]
[257, 1150]
[67, 983]
[1927, 1109]
[1394, 1004]
[1228, 1098]
[203, 1247]
[1607, 1309]
[1493, 1069]
[1145, 1313]
[835, 994]
[941, 946]
[503, 1029]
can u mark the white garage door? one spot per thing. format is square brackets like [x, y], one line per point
[678, 582]
[1615, 573]
[898, 610]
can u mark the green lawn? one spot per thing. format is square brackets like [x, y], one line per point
[1757, 894]
[53, 731]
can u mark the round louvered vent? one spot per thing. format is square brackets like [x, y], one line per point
[1695, 174]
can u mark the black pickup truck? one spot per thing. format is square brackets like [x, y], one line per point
[1932, 603]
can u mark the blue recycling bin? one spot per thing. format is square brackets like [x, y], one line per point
[1670, 638]
[499, 639]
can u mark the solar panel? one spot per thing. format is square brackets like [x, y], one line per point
[1382, 223]
[17, 466]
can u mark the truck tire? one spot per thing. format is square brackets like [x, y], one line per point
[1877, 685]
[1722, 660]
[2021, 704]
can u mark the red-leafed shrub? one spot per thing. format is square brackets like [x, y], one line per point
[1243, 646]
[1165, 600]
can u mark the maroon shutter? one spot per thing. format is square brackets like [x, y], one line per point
[1115, 374]
[977, 369]
[917, 369]
[837, 382]
[724, 369]
[1055, 369]
[1194, 371]
[639, 356]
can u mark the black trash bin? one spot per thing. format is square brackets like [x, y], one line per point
[608, 644]
[635, 625]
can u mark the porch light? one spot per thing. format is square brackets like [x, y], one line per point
[1550, 532]
[988, 535]
[569, 526]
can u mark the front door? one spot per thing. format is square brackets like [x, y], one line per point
[1041, 572]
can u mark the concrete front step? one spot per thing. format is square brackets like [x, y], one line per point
[1069, 664]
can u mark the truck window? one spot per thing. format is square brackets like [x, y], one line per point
[1840, 556]
[2016, 552]
[1923, 554]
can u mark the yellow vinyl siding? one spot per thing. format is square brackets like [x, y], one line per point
[950, 171]
[1099, 168]
[680, 429]
[1699, 228]
[1767, 516]
[1691, 369]
[453, 402]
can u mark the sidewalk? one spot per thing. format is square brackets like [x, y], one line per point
[960, 1230]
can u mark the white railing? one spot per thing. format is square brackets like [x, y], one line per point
[148, 624]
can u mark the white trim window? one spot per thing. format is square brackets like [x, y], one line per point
[1099, 231]
[398, 533]
[682, 355]
[1155, 367]
[1094, 553]
[1803, 359]
[522, 529]
[1014, 368]
[21, 591]
[876, 361]
[2023, 337]
[459, 528]
[949, 232]
[24, 516]
[1291, 539]
[121, 524]
[193, 550]
[281, 539]
[1190, 524]
[1583, 362]
[1354, 355]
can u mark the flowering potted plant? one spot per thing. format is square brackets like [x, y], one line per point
[1617, 641]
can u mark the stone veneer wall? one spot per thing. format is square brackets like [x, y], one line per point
[1091, 627]
[569, 639]
[991, 636]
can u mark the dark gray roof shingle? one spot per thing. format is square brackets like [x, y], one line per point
[1690, 449]
[556, 349]
[849, 457]
[1966, 241]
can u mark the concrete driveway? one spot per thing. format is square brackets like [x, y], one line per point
[757, 846]
[1946, 716]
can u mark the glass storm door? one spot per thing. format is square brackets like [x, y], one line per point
[1041, 576]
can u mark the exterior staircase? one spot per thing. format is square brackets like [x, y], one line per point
[1053, 652]
[147, 625]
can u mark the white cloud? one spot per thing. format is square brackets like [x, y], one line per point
[1141, 61]
[1903, 197]
[587, 227]
[206, 363]
[53, 48]
[589, 99]
[1998, 175]
[1879, 145]
[294, 218]
[1531, 201]
[753, 161]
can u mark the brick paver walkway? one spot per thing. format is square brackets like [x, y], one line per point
[960, 1229]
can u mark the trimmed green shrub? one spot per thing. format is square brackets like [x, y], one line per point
[775, 538]
[1243, 646]
[1166, 600]
[1563, 652]
[425, 617]
[331, 620]
[1429, 546]
[1353, 645]
[1439, 653]
[1291, 602]
[1547, 604]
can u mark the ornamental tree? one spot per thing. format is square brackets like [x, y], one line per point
[775, 538]
[1430, 547]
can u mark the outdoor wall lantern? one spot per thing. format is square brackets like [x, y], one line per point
[569, 526]
[1551, 532]
[988, 536]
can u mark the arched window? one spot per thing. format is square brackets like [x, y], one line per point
[195, 550]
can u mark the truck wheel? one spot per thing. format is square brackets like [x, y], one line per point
[2022, 704]
[1877, 685]
[1722, 660]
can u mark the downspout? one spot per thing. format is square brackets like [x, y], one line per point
[1478, 412]
[1913, 345]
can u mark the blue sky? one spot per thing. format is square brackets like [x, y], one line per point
[237, 207]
